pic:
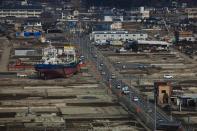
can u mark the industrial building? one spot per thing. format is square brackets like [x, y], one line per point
[117, 35]
[186, 35]
[113, 18]
[27, 52]
[154, 43]
[22, 11]
[147, 46]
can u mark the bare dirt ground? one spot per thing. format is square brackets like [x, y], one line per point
[5, 54]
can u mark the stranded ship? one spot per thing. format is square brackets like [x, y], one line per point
[58, 63]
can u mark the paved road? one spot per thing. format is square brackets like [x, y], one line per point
[146, 113]
[4, 61]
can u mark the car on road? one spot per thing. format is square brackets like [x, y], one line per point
[118, 62]
[123, 67]
[103, 73]
[100, 68]
[160, 121]
[135, 98]
[125, 90]
[141, 66]
[82, 57]
[95, 56]
[167, 76]
[118, 86]
[113, 76]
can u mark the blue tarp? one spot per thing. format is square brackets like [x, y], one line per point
[72, 24]
[36, 34]
[26, 34]
[17, 34]
[101, 27]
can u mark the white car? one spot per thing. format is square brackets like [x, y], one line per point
[135, 98]
[103, 73]
[126, 90]
[118, 86]
[167, 76]
[123, 67]
[113, 76]
[95, 56]
[82, 57]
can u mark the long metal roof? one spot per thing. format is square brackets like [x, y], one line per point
[24, 7]
[153, 42]
[116, 32]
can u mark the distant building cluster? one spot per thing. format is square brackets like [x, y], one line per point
[22, 10]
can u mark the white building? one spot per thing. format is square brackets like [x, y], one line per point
[156, 43]
[75, 13]
[116, 26]
[191, 13]
[26, 52]
[144, 13]
[21, 11]
[109, 18]
[117, 35]
[33, 23]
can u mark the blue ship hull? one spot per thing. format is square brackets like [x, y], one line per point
[57, 70]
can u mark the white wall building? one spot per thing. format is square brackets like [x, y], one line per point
[191, 13]
[25, 52]
[117, 35]
[21, 11]
[144, 13]
[33, 23]
[109, 18]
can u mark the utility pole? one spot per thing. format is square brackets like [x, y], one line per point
[155, 124]
[170, 103]
[110, 86]
[188, 121]
[65, 125]
[155, 112]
